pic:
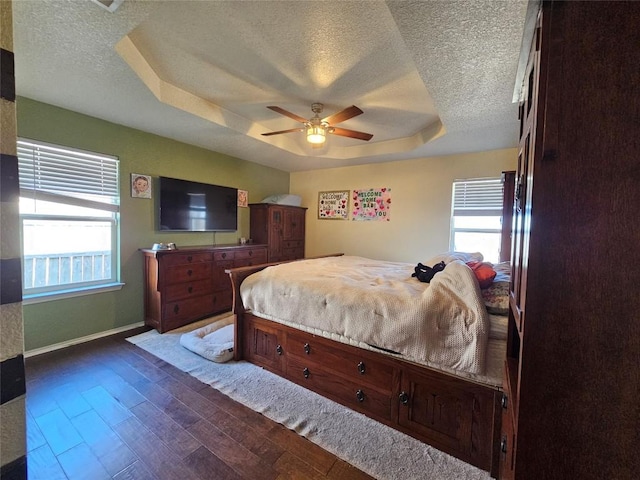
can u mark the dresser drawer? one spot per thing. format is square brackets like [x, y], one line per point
[188, 289]
[358, 368]
[188, 273]
[360, 397]
[250, 257]
[293, 244]
[185, 258]
[190, 308]
[222, 300]
[224, 255]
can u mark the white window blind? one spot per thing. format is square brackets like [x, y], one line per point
[477, 197]
[71, 176]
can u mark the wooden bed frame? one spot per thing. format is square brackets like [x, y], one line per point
[455, 415]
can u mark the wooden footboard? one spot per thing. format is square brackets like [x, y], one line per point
[454, 415]
[237, 276]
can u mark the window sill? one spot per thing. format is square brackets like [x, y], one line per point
[63, 294]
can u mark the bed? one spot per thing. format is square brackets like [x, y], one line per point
[424, 358]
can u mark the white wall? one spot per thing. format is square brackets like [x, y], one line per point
[421, 204]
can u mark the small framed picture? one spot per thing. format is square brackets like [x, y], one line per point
[140, 186]
[243, 198]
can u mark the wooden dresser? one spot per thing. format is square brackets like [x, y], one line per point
[185, 285]
[572, 380]
[281, 227]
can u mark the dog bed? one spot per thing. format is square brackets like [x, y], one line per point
[213, 342]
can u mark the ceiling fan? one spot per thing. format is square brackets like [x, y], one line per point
[317, 128]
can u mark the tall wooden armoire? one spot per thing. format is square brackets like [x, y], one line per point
[572, 375]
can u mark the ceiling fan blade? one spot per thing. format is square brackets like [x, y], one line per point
[284, 131]
[286, 113]
[352, 134]
[343, 115]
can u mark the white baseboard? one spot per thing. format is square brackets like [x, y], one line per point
[75, 341]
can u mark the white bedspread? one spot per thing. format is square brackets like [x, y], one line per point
[443, 323]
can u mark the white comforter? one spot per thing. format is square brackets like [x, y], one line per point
[443, 323]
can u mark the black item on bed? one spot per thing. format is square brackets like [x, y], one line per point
[425, 274]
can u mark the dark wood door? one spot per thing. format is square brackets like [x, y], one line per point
[508, 188]
[264, 345]
[455, 420]
[276, 227]
[293, 228]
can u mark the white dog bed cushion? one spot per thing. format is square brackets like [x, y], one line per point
[213, 341]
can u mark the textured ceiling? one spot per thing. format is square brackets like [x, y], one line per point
[432, 77]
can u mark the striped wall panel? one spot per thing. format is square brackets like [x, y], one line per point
[13, 463]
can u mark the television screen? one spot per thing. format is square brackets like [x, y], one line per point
[197, 207]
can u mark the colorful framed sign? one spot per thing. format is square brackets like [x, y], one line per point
[373, 204]
[333, 205]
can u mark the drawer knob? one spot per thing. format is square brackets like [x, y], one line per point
[189, 258]
[504, 401]
[404, 398]
[279, 349]
[503, 444]
[189, 272]
[360, 395]
[224, 255]
[307, 348]
[176, 309]
[306, 372]
[250, 253]
[190, 289]
[361, 368]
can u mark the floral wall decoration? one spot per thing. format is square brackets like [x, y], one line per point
[373, 204]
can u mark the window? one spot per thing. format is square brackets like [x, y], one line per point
[476, 221]
[69, 209]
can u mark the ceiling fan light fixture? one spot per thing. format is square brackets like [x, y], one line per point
[316, 134]
[316, 129]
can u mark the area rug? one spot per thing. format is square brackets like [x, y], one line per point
[374, 448]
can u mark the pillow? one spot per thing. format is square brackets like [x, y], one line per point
[503, 271]
[449, 257]
[496, 298]
[484, 272]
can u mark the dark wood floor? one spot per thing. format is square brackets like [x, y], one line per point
[107, 409]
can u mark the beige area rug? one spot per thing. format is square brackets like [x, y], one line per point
[370, 446]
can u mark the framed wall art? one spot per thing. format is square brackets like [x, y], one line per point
[140, 185]
[333, 205]
[243, 198]
[372, 204]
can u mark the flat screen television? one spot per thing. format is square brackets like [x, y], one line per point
[188, 206]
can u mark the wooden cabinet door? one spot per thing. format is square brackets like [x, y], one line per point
[264, 345]
[293, 228]
[455, 420]
[276, 227]
[528, 147]
[508, 186]
[259, 223]
[507, 446]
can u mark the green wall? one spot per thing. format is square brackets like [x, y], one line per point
[139, 152]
